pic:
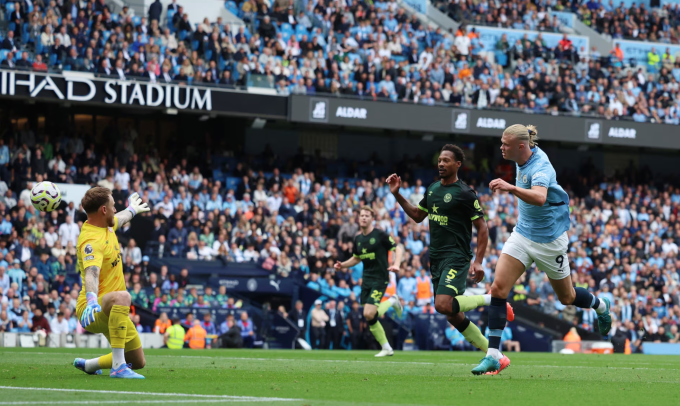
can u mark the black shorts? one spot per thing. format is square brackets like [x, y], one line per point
[449, 276]
[372, 292]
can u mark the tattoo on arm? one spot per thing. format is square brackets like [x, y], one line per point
[92, 279]
[124, 217]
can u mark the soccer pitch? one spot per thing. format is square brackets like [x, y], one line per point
[46, 377]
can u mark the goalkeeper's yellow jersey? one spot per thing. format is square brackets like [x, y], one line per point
[99, 247]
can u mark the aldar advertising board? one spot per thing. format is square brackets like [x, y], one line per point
[85, 88]
[437, 119]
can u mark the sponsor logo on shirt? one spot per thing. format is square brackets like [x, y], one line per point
[441, 220]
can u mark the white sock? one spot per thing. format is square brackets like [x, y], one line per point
[92, 365]
[487, 300]
[601, 308]
[387, 347]
[118, 357]
[494, 353]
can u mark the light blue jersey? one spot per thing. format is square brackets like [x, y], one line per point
[542, 224]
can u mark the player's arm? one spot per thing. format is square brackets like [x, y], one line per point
[477, 217]
[535, 196]
[135, 206]
[349, 263]
[92, 256]
[419, 213]
[91, 282]
[391, 245]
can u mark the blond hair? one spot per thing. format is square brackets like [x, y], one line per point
[368, 209]
[523, 133]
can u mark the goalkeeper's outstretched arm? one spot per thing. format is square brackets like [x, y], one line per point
[135, 207]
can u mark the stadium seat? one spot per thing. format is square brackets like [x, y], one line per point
[208, 55]
[3, 54]
[136, 20]
[53, 60]
[9, 8]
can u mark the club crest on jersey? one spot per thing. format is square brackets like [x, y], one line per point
[371, 241]
[88, 249]
[524, 179]
[447, 197]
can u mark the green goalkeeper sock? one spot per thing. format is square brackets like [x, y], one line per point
[468, 303]
[383, 307]
[475, 337]
[378, 332]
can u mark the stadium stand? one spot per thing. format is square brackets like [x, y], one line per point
[375, 52]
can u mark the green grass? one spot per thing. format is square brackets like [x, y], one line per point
[336, 378]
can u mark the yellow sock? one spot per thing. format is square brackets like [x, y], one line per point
[475, 337]
[383, 307]
[105, 361]
[379, 333]
[468, 303]
[118, 323]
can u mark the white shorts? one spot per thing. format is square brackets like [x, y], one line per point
[550, 257]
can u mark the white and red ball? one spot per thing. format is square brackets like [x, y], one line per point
[45, 196]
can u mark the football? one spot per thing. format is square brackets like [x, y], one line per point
[45, 196]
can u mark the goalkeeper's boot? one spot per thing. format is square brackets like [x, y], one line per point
[510, 311]
[504, 361]
[80, 364]
[604, 320]
[488, 364]
[124, 371]
[396, 305]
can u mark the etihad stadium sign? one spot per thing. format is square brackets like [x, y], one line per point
[86, 88]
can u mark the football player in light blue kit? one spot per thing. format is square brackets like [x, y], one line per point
[540, 237]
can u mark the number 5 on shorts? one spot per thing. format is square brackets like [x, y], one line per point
[376, 295]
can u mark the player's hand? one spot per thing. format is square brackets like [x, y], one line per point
[92, 308]
[338, 265]
[394, 182]
[394, 268]
[476, 272]
[136, 205]
[499, 185]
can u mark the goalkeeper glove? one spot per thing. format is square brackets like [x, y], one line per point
[92, 308]
[136, 205]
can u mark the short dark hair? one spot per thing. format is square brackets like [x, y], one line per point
[95, 198]
[456, 150]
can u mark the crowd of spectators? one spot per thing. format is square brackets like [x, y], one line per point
[373, 51]
[637, 22]
[295, 224]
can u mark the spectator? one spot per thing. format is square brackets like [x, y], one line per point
[247, 330]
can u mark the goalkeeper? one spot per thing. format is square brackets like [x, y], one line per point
[104, 304]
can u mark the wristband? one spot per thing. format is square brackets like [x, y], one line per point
[91, 298]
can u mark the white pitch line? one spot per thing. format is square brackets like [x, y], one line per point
[189, 395]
